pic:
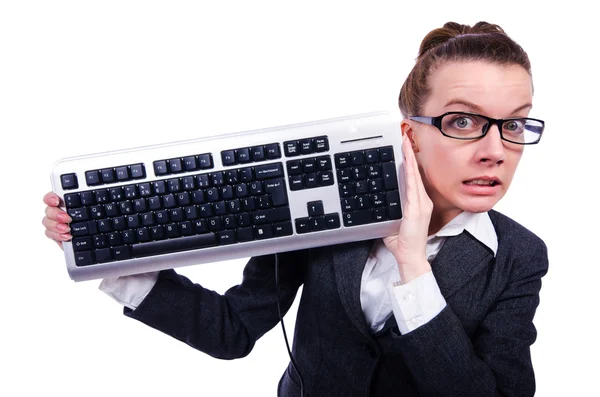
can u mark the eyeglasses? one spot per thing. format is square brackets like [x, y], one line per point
[461, 125]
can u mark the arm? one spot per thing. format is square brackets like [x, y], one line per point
[497, 360]
[223, 326]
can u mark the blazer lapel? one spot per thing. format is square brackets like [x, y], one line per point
[460, 258]
[348, 263]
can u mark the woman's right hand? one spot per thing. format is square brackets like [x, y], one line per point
[56, 220]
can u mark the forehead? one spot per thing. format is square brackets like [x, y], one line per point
[496, 89]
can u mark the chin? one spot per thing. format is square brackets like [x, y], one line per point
[482, 204]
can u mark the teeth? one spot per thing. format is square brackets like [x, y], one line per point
[480, 182]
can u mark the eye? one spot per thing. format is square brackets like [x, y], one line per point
[463, 122]
[514, 126]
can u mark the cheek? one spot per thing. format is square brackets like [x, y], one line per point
[442, 165]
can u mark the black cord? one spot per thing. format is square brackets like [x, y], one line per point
[283, 326]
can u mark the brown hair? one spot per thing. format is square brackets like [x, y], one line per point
[455, 43]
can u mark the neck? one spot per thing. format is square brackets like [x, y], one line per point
[439, 218]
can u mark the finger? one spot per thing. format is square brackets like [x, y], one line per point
[51, 199]
[54, 226]
[58, 215]
[58, 236]
[410, 171]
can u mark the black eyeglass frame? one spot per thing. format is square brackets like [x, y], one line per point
[437, 122]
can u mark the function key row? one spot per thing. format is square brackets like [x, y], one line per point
[306, 146]
[368, 156]
[183, 164]
[115, 174]
[251, 154]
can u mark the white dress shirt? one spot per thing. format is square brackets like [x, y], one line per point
[382, 292]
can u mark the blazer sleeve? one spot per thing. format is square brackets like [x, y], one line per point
[496, 360]
[223, 326]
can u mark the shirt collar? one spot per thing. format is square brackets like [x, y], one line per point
[479, 225]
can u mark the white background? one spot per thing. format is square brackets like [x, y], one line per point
[80, 77]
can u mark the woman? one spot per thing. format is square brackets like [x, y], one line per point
[443, 308]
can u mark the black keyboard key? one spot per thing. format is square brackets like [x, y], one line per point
[114, 239]
[103, 255]
[276, 188]
[172, 230]
[189, 163]
[157, 232]
[243, 155]
[69, 181]
[82, 243]
[107, 175]
[100, 241]
[205, 161]
[263, 232]
[84, 258]
[228, 157]
[87, 198]
[102, 196]
[174, 245]
[226, 237]
[310, 180]
[105, 225]
[128, 236]
[175, 166]
[372, 156]
[246, 174]
[386, 153]
[79, 229]
[245, 234]
[78, 214]
[283, 229]
[315, 208]
[357, 218]
[390, 180]
[186, 228]
[317, 224]
[302, 225]
[137, 171]
[306, 146]
[268, 171]
[357, 157]
[160, 168]
[393, 204]
[272, 215]
[332, 221]
[342, 160]
[321, 144]
[257, 153]
[92, 178]
[294, 167]
[379, 214]
[202, 181]
[273, 151]
[122, 173]
[122, 252]
[291, 148]
[325, 178]
[72, 200]
[324, 163]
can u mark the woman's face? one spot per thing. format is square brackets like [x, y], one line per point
[451, 168]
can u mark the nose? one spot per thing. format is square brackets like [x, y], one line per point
[491, 148]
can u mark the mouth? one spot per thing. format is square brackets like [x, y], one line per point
[483, 181]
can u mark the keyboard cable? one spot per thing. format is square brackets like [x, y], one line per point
[283, 327]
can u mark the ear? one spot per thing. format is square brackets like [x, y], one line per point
[409, 132]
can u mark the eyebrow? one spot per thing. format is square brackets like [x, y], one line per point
[478, 109]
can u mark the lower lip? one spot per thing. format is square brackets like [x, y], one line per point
[483, 190]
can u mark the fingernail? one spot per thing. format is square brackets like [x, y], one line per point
[66, 237]
[56, 201]
[63, 228]
[64, 218]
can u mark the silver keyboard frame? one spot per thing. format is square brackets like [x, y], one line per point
[345, 134]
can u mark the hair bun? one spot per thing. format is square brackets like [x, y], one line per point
[451, 30]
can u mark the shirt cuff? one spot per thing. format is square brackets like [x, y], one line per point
[129, 291]
[416, 302]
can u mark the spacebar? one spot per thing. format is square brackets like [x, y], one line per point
[173, 245]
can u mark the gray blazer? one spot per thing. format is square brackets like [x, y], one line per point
[477, 346]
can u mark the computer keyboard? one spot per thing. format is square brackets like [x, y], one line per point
[231, 196]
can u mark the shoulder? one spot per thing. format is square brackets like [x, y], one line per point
[516, 242]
